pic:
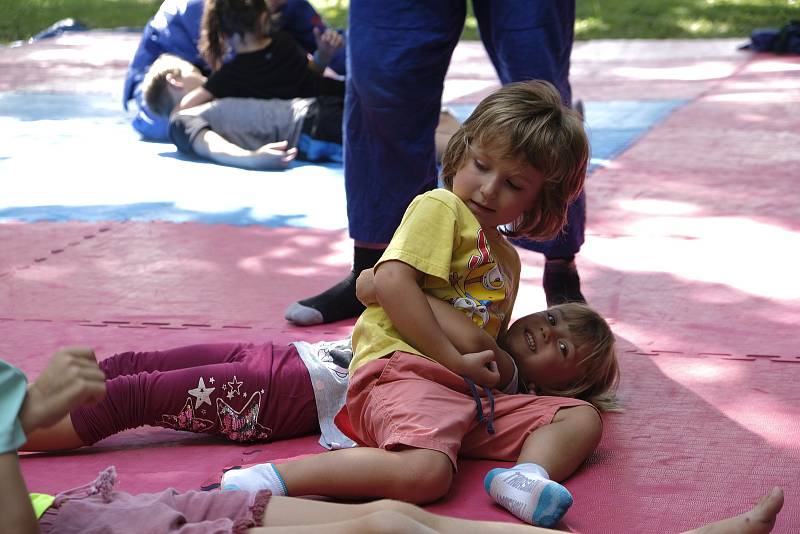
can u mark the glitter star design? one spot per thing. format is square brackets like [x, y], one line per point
[186, 420]
[242, 425]
[202, 393]
[234, 384]
[211, 379]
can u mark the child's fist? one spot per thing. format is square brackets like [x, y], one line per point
[71, 378]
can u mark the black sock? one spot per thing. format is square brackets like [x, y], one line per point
[340, 302]
[561, 281]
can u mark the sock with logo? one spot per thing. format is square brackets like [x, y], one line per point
[526, 491]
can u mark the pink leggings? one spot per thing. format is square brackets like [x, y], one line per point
[244, 392]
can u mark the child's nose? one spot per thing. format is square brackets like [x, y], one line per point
[489, 188]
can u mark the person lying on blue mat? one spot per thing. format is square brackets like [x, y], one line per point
[175, 29]
[248, 132]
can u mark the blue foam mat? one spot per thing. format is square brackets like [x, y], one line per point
[74, 157]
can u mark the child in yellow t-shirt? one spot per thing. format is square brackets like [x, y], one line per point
[511, 170]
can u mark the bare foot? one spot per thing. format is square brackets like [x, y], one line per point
[758, 520]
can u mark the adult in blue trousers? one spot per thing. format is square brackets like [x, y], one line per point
[398, 55]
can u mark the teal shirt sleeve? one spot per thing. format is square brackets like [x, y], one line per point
[13, 386]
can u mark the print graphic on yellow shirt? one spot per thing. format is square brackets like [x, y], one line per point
[474, 269]
[482, 284]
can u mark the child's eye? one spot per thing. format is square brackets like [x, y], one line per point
[563, 348]
[479, 165]
[513, 186]
[551, 319]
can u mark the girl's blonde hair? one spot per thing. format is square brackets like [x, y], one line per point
[223, 19]
[595, 341]
[527, 120]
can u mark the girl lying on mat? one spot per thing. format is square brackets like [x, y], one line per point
[265, 392]
[73, 378]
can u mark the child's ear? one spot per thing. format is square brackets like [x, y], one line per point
[175, 80]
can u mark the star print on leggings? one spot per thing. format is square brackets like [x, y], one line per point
[186, 420]
[202, 393]
[242, 425]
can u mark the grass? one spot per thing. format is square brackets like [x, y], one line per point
[596, 19]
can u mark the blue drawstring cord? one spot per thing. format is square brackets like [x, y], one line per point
[479, 405]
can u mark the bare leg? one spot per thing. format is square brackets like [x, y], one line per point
[562, 446]
[758, 520]
[283, 513]
[411, 475]
[59, 437]
[551, 453]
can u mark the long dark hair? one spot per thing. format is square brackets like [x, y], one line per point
[223, 19]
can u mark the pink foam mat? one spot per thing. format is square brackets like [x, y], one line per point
[690, 253]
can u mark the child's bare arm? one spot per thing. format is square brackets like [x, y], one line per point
[210, 145]
[469, 337]
[195, 97]
[398, 291]
[465, 335]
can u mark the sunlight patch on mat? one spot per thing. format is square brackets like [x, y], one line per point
[693, 248]
[75, 157]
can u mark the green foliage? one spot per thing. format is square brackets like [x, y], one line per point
[644, 19]
[22, 18]
[596, 19]
[662, 19]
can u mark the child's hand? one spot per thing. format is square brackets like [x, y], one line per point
[328, 42]
[273, 156]
[365, 287]
[72, 378]
[481, 368]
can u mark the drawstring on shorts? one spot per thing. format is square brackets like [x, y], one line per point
[479, 405]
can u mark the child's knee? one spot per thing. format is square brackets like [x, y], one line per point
[426, 478]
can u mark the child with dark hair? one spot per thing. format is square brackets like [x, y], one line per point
[266, 64]
[175, 29]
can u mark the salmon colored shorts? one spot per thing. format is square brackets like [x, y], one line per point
[409, 401]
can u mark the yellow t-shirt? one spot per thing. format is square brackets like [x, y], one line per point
[475, 270]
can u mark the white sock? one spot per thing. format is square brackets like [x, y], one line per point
[526, 491]
[256, 478]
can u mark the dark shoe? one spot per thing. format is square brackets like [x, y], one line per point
[561, 282]
[578, 107]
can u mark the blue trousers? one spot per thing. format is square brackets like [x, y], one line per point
[398, 54]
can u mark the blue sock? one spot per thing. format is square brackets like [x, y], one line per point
[526, 491]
